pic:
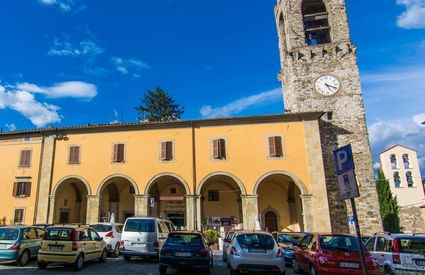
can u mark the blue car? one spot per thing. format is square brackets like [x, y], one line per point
[19, 243]
[287, 241]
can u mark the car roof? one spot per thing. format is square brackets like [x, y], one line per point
[106, 223]
[76, 226]
[186, 232]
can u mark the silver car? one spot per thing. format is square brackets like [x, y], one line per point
[255, 252]
[227, 241]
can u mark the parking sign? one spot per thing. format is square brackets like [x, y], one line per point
[343, 159]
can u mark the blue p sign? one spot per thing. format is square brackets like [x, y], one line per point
[343, 159]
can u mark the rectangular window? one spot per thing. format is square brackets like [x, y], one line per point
[22, 189]
[74, 155]
[19, 216]
[275, 147]
[167, 150]
[213, 195]
[118, 152]
[25, 158]
[219, 149]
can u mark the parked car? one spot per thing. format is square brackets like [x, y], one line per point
[71, 244]
[19, 243]
[255, 252]
[226, 242]
[111, 234]
[398, 253]
[187, 250]
[144, 236]
[331, 254]
[287, 241]
[365, 238]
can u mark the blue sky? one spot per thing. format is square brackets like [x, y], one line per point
[73, 62]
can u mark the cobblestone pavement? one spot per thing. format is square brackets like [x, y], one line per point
[112, 266]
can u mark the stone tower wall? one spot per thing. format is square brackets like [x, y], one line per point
[344, 121]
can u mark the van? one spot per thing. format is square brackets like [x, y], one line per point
[144, 236]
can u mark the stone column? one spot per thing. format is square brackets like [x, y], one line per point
[198, 212]
[249, 211]
[190, 216]
[45, 180]
[307, 217]
[141, 204]
[51, 217]
[92, 209]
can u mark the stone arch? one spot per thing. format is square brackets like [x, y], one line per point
[295, 179]
[309, 10]
[107, 179]
[221, 173]
[156, 177]
[62, 180]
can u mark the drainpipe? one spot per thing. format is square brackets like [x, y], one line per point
[38, 180]
[49, 207]
[195, 209]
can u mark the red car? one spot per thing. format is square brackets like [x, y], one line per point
[331, 254]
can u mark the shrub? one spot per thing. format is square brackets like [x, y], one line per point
[211, 236]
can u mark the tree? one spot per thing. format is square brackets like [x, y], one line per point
[158, 105]
[388, 205]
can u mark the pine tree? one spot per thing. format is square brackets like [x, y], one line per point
[388, 205]
[158, 106]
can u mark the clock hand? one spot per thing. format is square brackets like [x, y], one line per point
[329, 86]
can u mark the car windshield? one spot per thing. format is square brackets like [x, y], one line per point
[412, 245]
[343, 243]
[255, 241]
[9, 234]
[141, 225]
[101, 227]
[184, 239]
[289, 238]
[59, 234]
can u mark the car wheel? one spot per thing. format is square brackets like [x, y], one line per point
[42, 265]
[79, 262]
[24, 258]
[127, 258]
[295, 267]
[116, 251]
[233, 272]
[162, 270]
[102, 258]
[313, 271]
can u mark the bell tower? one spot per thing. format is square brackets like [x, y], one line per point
[320, 73]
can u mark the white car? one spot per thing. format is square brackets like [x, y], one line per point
[398, 253]
[255, 252]
[111, 234]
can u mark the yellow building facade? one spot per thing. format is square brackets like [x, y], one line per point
[251, 171]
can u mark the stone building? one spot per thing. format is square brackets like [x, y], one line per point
[276, 171]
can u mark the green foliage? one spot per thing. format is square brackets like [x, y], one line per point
[212, 236]
[158, 106]
[388, 205]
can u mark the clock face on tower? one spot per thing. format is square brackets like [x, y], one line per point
[327, 85]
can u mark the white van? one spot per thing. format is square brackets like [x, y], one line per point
[144, 236]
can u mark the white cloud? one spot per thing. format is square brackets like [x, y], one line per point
[242, 104]
[414, 16]
[86, 48]
[40, 114]
[64, 5]
[72, 89]
[407, 132]
[11, 127]
[377, 166]
[131, 66]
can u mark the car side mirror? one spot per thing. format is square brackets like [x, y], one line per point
[100, 239]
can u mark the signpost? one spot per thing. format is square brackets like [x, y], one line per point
[348, 189]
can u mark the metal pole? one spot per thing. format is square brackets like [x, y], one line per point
[359, 240]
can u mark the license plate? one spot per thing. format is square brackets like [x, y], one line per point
[420, 262]
[182, 254]
[55, 247]
[138, 244]
[256, 250]
[349, 265]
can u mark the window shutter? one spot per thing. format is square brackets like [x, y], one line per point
[216, 154]
[25, 158]
[272, 147]
[278, 144]
[115, 157]
[15, 189]
[71, 154]
[222, 147]
[163, 151]
[76, 154]
[120, 152]
[169, 150]
[28, 158]
[28, 189]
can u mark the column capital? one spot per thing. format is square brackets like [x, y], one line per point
[249, 196]
[92, 196]
[306, 196]
[52, 197]
[143, 196]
